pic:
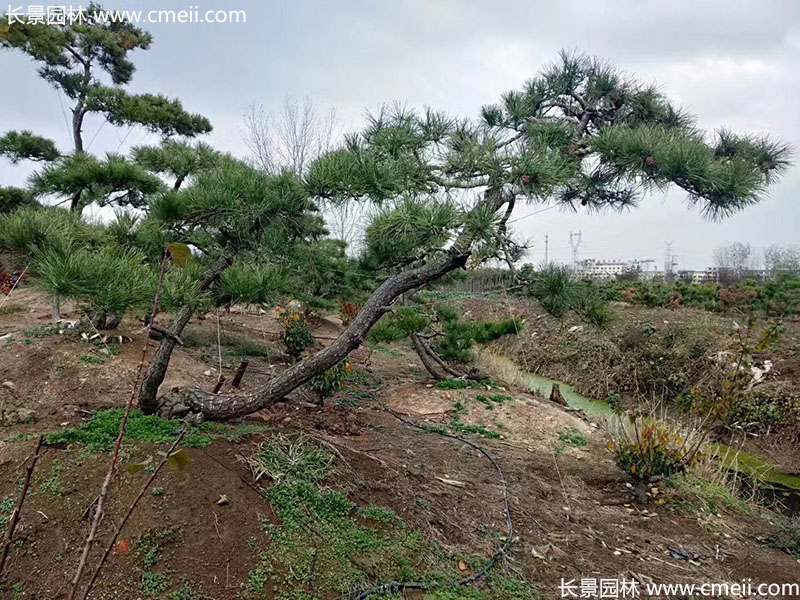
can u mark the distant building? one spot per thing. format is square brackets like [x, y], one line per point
[605, 270]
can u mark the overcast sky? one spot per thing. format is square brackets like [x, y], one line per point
[732, 63]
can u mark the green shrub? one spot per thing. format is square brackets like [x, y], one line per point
[296, 335]
[398, 325]
[34, 229]
[331, 381]
[108, 281]
[653, 449]
[458, 336]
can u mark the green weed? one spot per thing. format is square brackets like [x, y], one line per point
[573, 437]
[100, 432]
[152, 584]
[92, 360]
[150, 544]
[461, 384]
[698, 493]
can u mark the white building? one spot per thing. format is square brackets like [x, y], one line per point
[604, 270]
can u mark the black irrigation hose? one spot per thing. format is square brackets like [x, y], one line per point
[428, 585]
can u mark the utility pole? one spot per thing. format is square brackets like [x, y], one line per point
[575, 243]
[546, 241]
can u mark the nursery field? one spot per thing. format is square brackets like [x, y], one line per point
[307, 501]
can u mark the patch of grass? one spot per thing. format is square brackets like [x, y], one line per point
[384, 349]
[698, 494]
[52, 485]
[285, 459]
[92, 360]
[187, 591]
[100, 432]
[490, 401]
[483, 399]
[480, 430]
[42, 331]
[788, 537]
[10, 309]
[573, 437]
[157, 491]
[379, 513]
[500, 398]
[6, 508]
[456, 424]
[150, 544]
[237, 433]
[258, 577]
[152, 584]
[354, 398]
[362, 546]
[462, 384]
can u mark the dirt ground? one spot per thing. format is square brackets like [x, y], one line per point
[573, 511]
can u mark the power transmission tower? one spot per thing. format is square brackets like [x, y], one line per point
[546, 242]
[669, 261]
[575, 243]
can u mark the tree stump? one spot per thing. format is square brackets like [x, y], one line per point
[555, 396]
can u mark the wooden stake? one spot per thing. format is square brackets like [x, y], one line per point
[237, 379]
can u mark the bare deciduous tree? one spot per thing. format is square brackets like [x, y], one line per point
[736, 261]
[289, 140]
[782, 260]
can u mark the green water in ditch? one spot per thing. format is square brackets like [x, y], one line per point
[731, 458]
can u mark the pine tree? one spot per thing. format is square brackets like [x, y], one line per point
[581, 134]
[88, 61]
[247, 226]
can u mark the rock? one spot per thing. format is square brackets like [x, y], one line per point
[19, 415]
[9, 385]
[223, 500]
[296, 306]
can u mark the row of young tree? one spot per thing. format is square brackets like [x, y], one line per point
[580, 134]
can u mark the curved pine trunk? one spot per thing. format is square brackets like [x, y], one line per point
[157, 369]
[219, 407]
[431, 361]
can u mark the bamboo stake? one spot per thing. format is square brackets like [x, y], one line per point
[98, 513]
[127, 516]
[12, 524]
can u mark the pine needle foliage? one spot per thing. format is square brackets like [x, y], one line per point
[175, 159]
[82, 179]
[581, 134]
[88, 61]
[12, 198]
[107, 281]
[560, 292]
[24, 145]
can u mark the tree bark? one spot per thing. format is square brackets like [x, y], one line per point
[198, 403]
[219, 407]
[431, 361]
[157, 369]
[77, 126]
